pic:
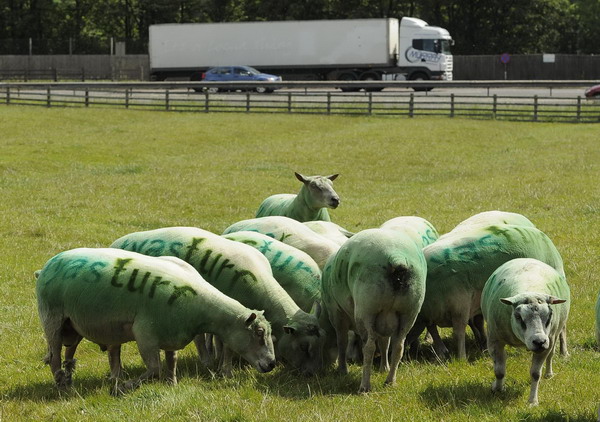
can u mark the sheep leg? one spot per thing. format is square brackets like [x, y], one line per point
[438, 345]
[384, 345]
[478, 329]
[150, 353]
[498, 354]
[537, 361]
[459, 327]
[368, 354]
[563, 341]
[398, 340]
[203, 353]
[171, 360]
[548, 371]
[412, 339]
[341, 327]
[227, 366]
[54, 338]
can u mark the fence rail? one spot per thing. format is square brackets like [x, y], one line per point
[311, 100]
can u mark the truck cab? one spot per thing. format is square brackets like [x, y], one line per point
[424, 50]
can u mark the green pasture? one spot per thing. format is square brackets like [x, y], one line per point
[84, 177]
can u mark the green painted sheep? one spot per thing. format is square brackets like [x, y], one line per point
[330, 230]
[491, 218]
[417, 228]
[374, 285]
[111, 297]
[291, 232]
[525, 303]
[294, 269]
[459, 264]
[311, 203]
[243, 273]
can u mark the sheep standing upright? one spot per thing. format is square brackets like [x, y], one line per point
[458, 265]
[525, 303]
[311, 203]
[374, 285]
[111, 297]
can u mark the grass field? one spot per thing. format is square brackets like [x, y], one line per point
[71, 178]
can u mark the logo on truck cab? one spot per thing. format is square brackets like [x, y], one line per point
[413, 56]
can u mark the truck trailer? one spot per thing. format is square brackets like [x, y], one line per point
[347, 50]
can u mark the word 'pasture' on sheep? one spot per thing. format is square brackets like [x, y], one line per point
[243, 273]
[459, 264]
[525, 303]
[311, 203]
[374, 285]
[111, 297]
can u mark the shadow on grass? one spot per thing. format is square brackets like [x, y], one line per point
[556, 416]
[465, 394]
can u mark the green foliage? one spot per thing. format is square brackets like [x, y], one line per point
[75, 177]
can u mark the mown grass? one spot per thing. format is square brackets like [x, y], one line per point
[77, 177]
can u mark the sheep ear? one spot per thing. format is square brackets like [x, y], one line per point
[333, 177]
[300, 177]
[555, 301]
[250, 319]
[507, 301]
[289, 330]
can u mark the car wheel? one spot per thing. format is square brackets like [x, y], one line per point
[211, 90]
[261, 89]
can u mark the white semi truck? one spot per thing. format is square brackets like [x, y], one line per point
[353, 49]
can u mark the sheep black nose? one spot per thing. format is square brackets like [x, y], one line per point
[539, 344]
[335, 201]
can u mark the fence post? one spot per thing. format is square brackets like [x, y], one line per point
[370, 102]
[206, 101]
[55, 74]
[48, 97]
[452, 105]
[535, 108]
[247, 102]
[87, 97]
[126, 97]
[328, 102]
[83, 74]
[411, 105]
[495, 107]
[7, 95]
[167, 100]
[289, 102]
[579, 108]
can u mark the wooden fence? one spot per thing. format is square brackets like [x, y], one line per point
[537, 108]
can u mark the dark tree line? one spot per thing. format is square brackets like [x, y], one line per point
[477, 26]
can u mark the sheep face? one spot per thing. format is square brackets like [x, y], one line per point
[256, 346]
[301, 346]
[321, 193]
[531, 319]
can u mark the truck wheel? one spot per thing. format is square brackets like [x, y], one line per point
[371, 76]
[348, 76]
[419, 76]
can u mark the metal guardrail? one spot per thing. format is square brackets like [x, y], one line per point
[312, 97]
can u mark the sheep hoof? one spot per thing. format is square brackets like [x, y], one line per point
[62, 380]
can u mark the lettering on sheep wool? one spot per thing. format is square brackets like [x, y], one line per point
[81, 268]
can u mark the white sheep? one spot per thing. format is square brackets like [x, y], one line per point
[291, 232]
[112, 297]
[490, 218]
[525, 303]
[374, 285]
[294, 269]
[311, 203]
[330, 230]
[417, 228]
[459, 264]
[243, 273]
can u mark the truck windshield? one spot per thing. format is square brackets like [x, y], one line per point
[433, 46]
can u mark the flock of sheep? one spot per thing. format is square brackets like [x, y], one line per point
[290, 286]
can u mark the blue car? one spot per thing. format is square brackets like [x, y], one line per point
[238, 73]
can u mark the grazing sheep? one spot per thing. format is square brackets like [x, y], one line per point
[290, 232]
[112, 297]
[459, 264]
[417, 228]
[311, 203]
[330, 230]
[374, 285]
[295, 270]
[525, 303]
[489, 218]
[243, 273]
